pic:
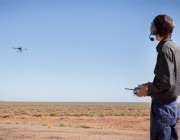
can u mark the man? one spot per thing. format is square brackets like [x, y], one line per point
[165, 88]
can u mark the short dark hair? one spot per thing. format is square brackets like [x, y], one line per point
[164, 25]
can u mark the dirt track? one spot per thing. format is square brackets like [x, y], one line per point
[27, 132]
[74, 128]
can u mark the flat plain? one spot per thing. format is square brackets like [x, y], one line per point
[74, 121]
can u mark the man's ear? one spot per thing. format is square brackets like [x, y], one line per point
[158, 38]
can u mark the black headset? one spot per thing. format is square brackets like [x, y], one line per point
[154, 30]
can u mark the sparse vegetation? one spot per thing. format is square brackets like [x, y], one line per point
[62, 124]
[84, 126]
[54, 117]
[44, 124]
[9, 109]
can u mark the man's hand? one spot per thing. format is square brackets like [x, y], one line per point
[142, 90]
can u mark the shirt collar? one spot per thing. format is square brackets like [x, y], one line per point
[161, 43]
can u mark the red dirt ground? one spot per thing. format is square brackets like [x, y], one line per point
[74, 128]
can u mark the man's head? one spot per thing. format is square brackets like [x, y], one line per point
[162, 26]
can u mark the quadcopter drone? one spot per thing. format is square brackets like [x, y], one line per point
[20, 49]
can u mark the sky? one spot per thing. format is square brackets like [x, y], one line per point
[79, 50]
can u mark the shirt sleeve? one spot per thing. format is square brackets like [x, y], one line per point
[163, 74]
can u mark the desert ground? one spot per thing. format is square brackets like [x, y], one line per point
[74, 121]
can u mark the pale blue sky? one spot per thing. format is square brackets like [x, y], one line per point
[78, 50]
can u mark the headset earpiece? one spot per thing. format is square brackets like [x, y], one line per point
[153, 29]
